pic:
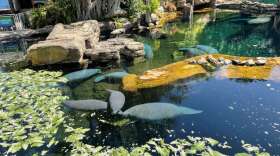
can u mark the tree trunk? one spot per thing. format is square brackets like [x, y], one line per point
[98, 9]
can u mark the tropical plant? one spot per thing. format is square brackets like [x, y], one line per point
[56, 11]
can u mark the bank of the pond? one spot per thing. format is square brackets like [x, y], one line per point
[189, 68]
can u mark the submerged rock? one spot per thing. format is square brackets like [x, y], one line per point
[158, 111]
[87, 105]
[82, 74]
[116, 100]
[114, 75]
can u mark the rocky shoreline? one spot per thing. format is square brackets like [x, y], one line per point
[222, 65]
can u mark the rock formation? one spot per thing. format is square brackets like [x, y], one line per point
[79, 41]
[248, 7]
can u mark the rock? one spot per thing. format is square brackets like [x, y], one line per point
[250, 62]
[157, 34]
[227, 62]
[202, 61]
[106, 27]
[56, 51]
[248, 7]
[169, 6]
[65, 44]
[154, 18]
[261, 61]
[238, 62]
[89, 31]
[112, 50]
[181, 4]
[193, 61]
[213, 61]
[117, 32]
[201, 2]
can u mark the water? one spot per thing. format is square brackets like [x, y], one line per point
[229, 34]
[233, 110]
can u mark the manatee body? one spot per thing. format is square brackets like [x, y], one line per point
[259, 20]
[116, 100]
[86, 105]
[148, 51]
[158, 111]
[207, 49]
[114, 75]
[82, 74]
[192, 51]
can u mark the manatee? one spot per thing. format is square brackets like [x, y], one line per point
[259, 20]
[114, 75]
[192, 51]
[87, 105]
[158, 111]
[148, 51]
[116, 100]
[82, 74]
[207, 49]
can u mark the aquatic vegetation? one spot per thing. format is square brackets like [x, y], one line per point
[148, 51]
[162, 76]
[116, 100]
[86, 104]
[82, 74]
[31, 116]
[158, 111]
[113, 75]
[30, 111]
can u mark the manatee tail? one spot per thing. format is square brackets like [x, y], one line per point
[190, 111]
[99, 78]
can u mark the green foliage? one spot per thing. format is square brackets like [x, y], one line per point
[38, 17]
[30, 112]
[56, 11]
[154, 5]
[135, 8]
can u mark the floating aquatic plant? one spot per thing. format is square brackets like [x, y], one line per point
[30, 112]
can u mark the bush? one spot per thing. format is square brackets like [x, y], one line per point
[56, 11]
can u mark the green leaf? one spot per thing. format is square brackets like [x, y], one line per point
[242, 154]
[14, 148]
[263, 154]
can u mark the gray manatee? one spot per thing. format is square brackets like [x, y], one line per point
[158, 111]
[87, 105]
[82, 74]
[116, 100]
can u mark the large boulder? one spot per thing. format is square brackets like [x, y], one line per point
[56, 51]
[89, 31]
[116, 48]
[65, 44]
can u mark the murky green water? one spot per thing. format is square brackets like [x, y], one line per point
[233, 110]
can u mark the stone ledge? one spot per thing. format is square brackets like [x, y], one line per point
[187, 69]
